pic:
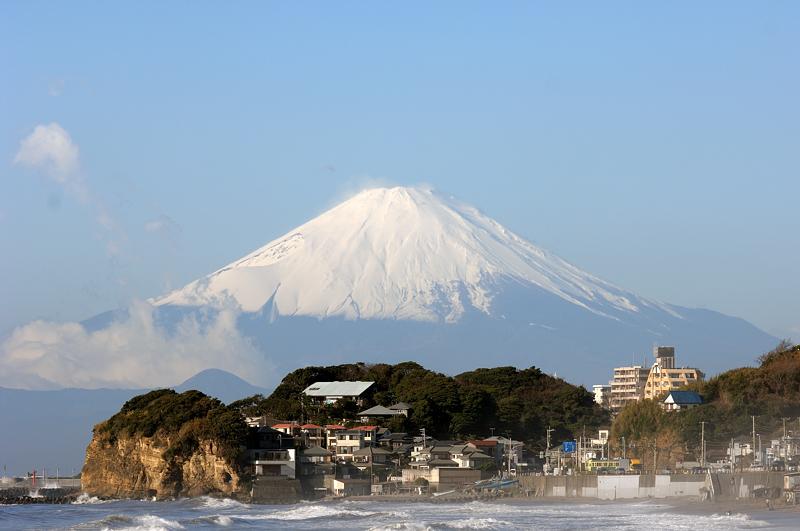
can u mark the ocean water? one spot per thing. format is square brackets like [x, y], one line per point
[210, 513]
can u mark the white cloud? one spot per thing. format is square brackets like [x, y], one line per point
[131, 353]
[50, 149]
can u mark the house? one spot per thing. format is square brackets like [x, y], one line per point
[477, 459]
[271, 453]
[371, 456]
[677, 400]
[330, 435]
[330, 392]
[287, 428]
[256, 422]
[263, 421]
[370, 434]
[395, 441]
[348, 442]
[314, 435]
[467, 456]
[401, 407]
[432, 457]
[316, 461]
[509, 446]
[315, 455]
[378, 412]
[488, 447]
[420, 457]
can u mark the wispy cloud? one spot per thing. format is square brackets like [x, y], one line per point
[50, 149]
[130, 353]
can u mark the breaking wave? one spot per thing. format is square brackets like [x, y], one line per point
[207, 502]
[146, 522]
[311, 511]
[85, 499]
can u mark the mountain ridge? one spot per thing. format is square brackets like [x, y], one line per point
[397, 253]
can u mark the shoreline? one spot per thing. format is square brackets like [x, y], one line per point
[686, 504]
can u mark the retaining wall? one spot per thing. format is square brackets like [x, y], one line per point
[613, 487]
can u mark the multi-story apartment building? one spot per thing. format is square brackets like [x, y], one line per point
[636, 382]
[665, 377]
[627, 386]
[602, 394]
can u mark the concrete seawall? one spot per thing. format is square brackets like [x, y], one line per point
[722, 486]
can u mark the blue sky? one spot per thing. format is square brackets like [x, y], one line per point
[653, 144]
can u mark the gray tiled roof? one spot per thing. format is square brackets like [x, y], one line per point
[479, 455]
[458, 448]
[337, 388]
[371, 451]
[316, 451]
[378, 411]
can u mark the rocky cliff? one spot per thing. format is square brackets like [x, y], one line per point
[136, 467]
[165, 444]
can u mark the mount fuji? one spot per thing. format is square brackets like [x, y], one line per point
[407, 273]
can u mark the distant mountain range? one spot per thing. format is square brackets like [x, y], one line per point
[50, 429]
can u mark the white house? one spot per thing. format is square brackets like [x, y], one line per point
[330, 392]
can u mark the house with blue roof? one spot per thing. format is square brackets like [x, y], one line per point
[677, 400]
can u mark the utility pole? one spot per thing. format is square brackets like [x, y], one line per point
[759, 449]
[754, 439]
[547, 453]
[371, 468]
[784, 442]
[624, 448]
[510, 449]
[732, 458]
[703, 444]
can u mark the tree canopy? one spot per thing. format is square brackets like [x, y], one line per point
[517, 402]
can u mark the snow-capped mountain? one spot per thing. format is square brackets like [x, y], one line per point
[398, 253]
[407, 273]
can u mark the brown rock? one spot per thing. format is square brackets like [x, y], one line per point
[140, 467]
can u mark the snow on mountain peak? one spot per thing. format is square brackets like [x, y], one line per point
[396, 253]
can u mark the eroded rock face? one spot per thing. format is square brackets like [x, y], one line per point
[141, 467]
